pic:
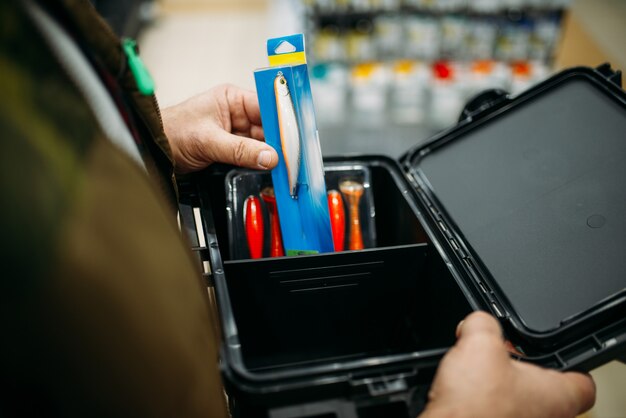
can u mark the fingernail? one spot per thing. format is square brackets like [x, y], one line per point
[265, 158]
[458, 329]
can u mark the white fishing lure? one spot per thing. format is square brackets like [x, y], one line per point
[289, 131]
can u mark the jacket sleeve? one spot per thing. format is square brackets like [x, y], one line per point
[102, 310]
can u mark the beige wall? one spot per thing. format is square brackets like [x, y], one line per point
[578, 48]
[174, 5]
[593, 34]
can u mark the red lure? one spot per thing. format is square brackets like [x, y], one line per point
[253, 219]
[276, 245]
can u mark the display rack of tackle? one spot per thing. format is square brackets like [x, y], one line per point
[417, 62]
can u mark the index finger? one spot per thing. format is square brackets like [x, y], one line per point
[251, 106]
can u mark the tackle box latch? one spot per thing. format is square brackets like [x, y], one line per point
[614, 76]
[484, 103]
[383, 385]
[386, 387]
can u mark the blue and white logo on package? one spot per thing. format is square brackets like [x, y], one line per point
[289, 125]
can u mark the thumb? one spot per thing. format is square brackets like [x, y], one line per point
[241, 151]
[478, 323]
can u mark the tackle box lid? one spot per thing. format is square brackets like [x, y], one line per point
[530, 193]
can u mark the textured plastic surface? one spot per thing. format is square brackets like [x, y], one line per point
[538, 194]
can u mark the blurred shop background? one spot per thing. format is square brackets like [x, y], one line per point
[386, 74]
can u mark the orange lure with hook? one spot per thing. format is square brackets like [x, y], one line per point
[353, 192]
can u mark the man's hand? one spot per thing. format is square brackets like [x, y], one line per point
[477, 378]
[221, 125]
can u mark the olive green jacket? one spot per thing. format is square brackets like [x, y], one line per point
[103, 312]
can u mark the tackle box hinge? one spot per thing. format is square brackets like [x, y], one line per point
[412, 181]
[488, 295]
[497, 309]
[457, 246]
[475, 274]
[442, 226]
[191, 223]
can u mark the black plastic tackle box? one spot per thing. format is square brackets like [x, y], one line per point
[519, 210]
